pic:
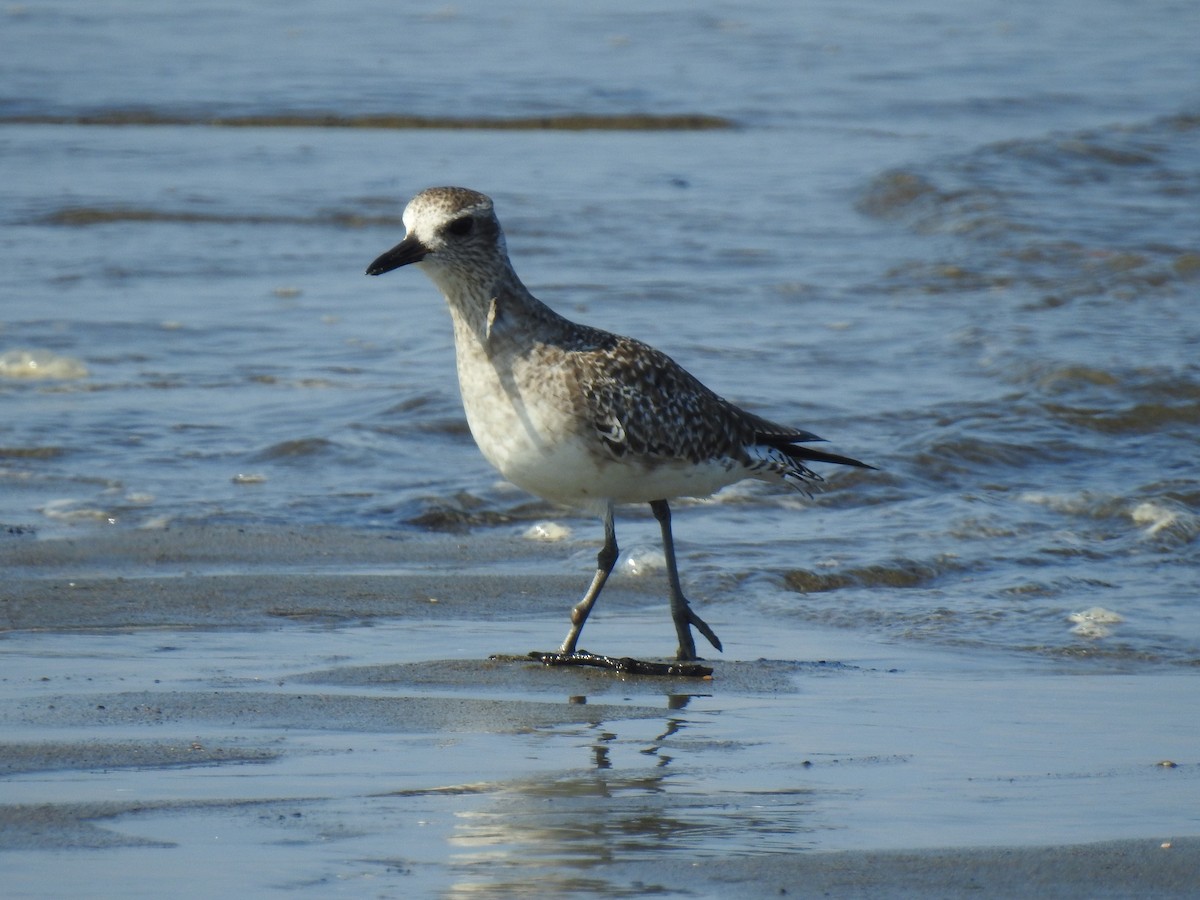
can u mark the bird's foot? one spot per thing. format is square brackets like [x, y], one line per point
[685, 620]
[624, 664]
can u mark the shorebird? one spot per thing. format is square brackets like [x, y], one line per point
[579, 416]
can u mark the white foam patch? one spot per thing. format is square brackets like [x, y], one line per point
[1158, 517]
[642, 561]
[67, 510]
[502, 486]
[40, 364]
[547, 532]
[1072, 504]
[1094, 622]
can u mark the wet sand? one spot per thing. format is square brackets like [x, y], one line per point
[259, 711]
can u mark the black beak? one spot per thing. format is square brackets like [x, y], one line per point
[409, 250]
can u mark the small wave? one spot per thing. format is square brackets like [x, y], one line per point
[909, 197]
[1094, 623]
[1110, 400]
[1160, 519]
[73, 511]
[1002, 184]
[465, 511]
[547, 532]
[900, 573]
[1032, 228]
[37, 452]
[1138, 418]
[965, 453]
[1085, 504]
[1164, 519]
[389, 121]
[296, 449]
[1061, 378]
[643, 560]
[40, 365]
[86, 216]
[249, 478]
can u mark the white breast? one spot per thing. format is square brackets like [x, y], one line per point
[528, 425]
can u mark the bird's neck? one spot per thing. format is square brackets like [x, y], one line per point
[484, 307]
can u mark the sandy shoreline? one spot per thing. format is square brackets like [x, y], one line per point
[261, 710]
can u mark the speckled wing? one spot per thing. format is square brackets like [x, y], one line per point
[642, 403]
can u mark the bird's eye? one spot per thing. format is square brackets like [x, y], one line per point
[461, 227]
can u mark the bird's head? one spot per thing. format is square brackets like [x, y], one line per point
[450, 231]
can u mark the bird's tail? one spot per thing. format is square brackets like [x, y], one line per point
[808, 454]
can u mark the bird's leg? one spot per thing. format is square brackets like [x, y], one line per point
[605, 560]
[681, 612]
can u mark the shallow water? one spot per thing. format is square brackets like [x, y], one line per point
[962, 241]
[336, 757]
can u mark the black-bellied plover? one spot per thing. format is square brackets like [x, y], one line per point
[579, 416]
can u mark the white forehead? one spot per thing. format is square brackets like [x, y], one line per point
[433, 206]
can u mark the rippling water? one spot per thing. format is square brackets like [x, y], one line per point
[962, 241]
